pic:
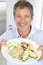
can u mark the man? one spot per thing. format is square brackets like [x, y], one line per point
[23, 15]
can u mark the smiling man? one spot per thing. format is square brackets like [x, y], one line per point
[23, 15]
[23, 21]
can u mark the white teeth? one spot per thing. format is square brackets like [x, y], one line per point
[22, 24]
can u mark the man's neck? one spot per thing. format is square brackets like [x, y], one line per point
[24, 34]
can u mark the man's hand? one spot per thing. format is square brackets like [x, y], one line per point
[41, 48]
[3, 42]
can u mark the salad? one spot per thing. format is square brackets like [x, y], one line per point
[21, 50]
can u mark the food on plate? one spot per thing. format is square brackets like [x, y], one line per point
[21, 50]
[33, 54]
[26, 54]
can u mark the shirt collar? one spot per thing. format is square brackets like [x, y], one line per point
[29, 35]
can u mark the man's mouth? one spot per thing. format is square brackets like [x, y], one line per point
[22, 24]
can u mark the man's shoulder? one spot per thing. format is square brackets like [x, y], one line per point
[38, 36]
[38, 31]
[5, 35]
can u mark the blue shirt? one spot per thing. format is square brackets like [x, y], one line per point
[35, 35]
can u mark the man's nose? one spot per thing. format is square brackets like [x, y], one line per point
[22, 19]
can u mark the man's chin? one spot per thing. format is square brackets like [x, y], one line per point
[22, 30]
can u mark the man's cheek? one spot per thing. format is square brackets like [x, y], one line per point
[17, 22]
[18, 26]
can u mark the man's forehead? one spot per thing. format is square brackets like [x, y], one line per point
[19, 7]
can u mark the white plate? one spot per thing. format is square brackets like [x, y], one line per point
[8, 57]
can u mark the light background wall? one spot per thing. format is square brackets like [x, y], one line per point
[2, 17]
[42, 18]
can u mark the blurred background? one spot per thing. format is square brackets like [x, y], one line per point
[38, 17]
[2, 16]
[2, 26]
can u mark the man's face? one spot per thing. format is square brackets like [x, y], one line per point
[23, 18]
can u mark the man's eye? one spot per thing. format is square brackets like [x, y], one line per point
[26, 16]
[18, 16]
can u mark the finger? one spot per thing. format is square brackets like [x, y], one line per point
[40, 48]
[3, 42]
[41, 58]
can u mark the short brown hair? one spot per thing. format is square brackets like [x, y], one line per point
[22, 4]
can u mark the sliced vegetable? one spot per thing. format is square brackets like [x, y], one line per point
[33, 54]
[11, 47]
[15, 43]
[25, 55]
